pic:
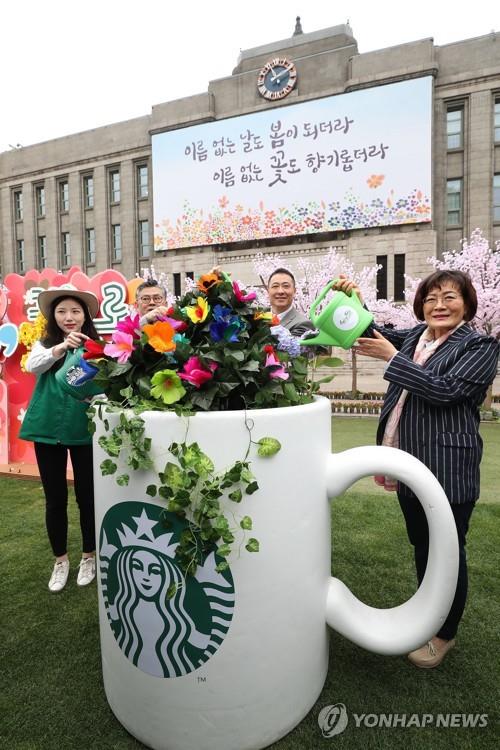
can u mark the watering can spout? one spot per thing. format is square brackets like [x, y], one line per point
[321, 339]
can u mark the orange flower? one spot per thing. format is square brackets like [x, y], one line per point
[160, 336]
[207, 281]
[375, 180]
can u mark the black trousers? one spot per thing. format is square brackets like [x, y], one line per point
[52, 463]
[418, 534]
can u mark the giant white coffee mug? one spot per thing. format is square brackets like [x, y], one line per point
[235, 660]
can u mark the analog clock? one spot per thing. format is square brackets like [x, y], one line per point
[277, 78]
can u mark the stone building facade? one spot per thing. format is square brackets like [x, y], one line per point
[86, 199]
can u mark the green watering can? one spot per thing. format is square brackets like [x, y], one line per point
[341, 322]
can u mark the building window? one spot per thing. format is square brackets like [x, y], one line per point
[142, 181]
[177, 284]
[116, 241]
[454, 196]
[40, 201]
[90, 246]
[65, 250]
[20, 258]
[496, 123]
[455, 127]
[64, 196]
[88, 192]
[496, 198]
[18, 205]
[42, 252]
[399, 277]
[382, 277]
[144, 246]
[114, 186]
[190, 275]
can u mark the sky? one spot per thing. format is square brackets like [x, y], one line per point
[69, 66]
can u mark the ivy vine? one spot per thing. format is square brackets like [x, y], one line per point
[191, 487]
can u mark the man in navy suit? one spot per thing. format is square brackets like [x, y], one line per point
[439, 373]
[281, 290]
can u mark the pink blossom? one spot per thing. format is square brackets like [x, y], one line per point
[121, 346]
[240, 296]
[130, 325]
[278, 371]
[195, 373]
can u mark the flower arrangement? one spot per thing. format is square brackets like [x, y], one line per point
[29, 333]
[217, 349]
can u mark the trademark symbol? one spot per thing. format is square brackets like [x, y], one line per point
[202, 679]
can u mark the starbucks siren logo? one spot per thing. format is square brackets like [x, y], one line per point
[167, 624]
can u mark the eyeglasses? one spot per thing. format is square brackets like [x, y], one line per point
[446, 299]
[156, 298]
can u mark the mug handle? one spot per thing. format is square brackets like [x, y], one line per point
[400, 629]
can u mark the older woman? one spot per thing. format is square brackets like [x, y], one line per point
[438, 373]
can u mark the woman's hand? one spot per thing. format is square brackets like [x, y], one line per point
[378, 347]
[73, 340]
[343, 284]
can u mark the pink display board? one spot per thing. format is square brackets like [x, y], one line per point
[19, 303]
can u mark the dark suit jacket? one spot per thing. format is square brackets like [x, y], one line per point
[440, 419]
[296, 322]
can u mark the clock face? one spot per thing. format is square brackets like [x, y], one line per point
[277, 78]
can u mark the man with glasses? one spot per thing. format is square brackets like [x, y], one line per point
[150, 301]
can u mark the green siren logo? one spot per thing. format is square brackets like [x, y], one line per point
[162, 633]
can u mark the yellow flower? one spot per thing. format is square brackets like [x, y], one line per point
[198, 313]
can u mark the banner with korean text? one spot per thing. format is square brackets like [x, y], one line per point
[350, 161]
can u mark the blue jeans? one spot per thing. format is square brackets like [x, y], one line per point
[418, 534]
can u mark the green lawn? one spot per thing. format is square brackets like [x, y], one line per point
[53, 699]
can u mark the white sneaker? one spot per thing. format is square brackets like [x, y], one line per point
[59, 576]
[86, 574]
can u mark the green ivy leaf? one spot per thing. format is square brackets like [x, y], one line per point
[223, 565]
[123, 480]
[108, 467]
[268, 446]
[224, 550]
[252, 487]
[151, 490]
[236, 496]
[252, 545]
[246, 523]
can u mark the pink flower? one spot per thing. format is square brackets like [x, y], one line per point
[177, 325]
[130, 325]
[240, 296]
[278, 371]
[121, 346]
[195, 373]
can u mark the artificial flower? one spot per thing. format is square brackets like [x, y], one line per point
[195, 373]
[93, 349]
[267, 316]
[160, 336]
[207, 281]
[177, 325]
[130, 325]
[198, 313]
[240, 296]
[121, 347]
[167, 387]
[278, 370]
[225, 326]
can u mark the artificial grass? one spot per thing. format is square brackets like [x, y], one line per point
[53, 699]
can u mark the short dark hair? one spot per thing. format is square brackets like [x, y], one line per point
[281, 270]
[150, 284]
[459, 279]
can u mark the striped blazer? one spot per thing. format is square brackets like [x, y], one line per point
[440, 420]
